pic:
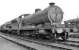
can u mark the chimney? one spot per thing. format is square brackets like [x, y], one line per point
[52, 3]
[37, 10]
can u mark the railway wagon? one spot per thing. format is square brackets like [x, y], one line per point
[42, 24]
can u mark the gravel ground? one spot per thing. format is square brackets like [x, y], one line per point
[7, 45]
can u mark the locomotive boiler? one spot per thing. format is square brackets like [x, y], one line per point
[42, 24]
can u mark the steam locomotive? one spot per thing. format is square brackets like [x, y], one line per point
[42, 24]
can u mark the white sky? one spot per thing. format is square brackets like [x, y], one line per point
[10, 9]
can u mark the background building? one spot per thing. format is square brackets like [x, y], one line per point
[73, 24]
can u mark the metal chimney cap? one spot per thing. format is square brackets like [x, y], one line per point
[52, 3]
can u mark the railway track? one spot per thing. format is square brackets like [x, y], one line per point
[59, 44]
[65, 45]
[43, 43]
[49, 47]
[71, 43]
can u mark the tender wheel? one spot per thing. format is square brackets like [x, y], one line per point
[65, 37]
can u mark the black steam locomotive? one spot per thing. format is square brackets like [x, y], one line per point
[46, 23]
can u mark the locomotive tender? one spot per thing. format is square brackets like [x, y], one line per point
[41, 24]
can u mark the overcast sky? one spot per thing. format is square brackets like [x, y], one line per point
[10, 9]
